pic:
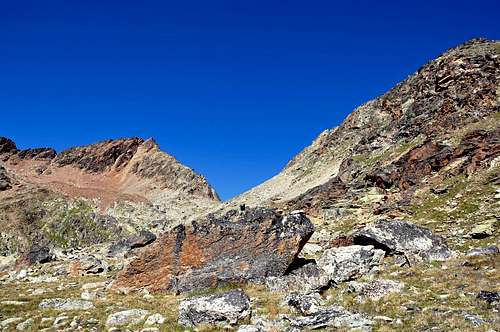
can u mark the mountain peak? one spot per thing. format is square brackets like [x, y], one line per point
[113, 170]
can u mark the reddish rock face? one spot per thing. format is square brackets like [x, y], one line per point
[126, 169]
[474, 149]
[259, 244]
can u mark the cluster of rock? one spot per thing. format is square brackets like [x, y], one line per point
[440, 123]
[261, 246]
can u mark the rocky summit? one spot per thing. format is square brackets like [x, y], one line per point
[388, 222]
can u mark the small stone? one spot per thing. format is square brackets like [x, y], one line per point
[122, 318]
[306, 278]
[156, 319]
[61, 321]
[484, 230]
[90, 295]
[21, 274]
[375, 289]
[94, 285]
[491, 250]
[311, 249]
[88, 265]
[14, 303]
[46, 320]
[39, 291]
[489, 297]
[75, 322]
[475, 320]
[383, 318]
[36, 255]
[25, 325]
[65, 304]
[9, 321]
[250, 328]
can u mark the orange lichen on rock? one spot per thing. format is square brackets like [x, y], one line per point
[219, 251]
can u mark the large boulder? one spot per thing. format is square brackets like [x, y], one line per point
[402, 237]
[306, 278]
[336, 265]
[225, 308]
[351, 262]
[258, 244]
[305, 304]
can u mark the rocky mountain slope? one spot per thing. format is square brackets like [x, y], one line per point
[108, 190]
[427, 150]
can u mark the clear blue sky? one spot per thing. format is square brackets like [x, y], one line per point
[233, 89]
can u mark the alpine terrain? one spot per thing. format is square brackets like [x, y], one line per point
[388, 222]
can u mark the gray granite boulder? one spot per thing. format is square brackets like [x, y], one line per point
[351, 262]
[403, 237]
[225, 308]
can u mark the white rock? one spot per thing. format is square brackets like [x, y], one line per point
[21, 274]
[42, 279]
[311, 249]
[94, 285]
[9, 321]
[229, 307]
[351, 262]
[39, 291]
[46, 320]
[156, 319]
[25, 325]
[126, 317]
[65, 304]
[89, 295]
[14, 303]
[61, 321]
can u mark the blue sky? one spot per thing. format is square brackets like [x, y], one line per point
[233, 89]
